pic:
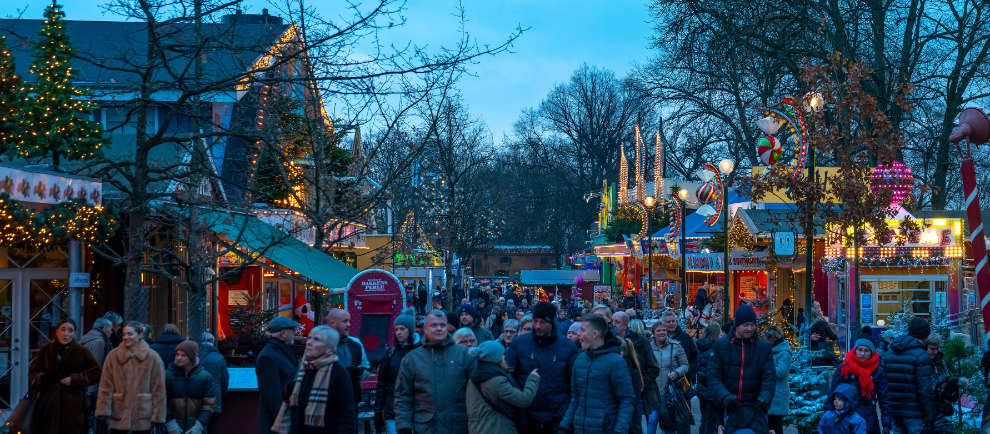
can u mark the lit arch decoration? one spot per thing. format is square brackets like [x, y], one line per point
[674, 210]
[788, 114]
[643, 215]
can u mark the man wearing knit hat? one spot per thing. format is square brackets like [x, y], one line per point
[741, 373]
[910, 374]
[192, 392]
[468, 317]
[552, 354]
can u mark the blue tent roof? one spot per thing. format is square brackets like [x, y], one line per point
[695, 223]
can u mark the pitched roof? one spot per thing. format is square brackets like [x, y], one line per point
[767, 221]
[108, 52]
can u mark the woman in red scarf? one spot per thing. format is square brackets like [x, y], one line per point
[861, 369]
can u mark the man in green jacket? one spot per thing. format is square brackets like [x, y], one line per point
[430, 391]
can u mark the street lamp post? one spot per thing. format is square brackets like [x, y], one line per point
[650, 202]
[725, 167]
[682, 195]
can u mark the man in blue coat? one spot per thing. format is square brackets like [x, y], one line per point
[602, 397]
[276, 367]
[544, 349]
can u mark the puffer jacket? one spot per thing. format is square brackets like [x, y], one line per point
[742, 372]
[780, 404]
[494, 399]
[191, 396]
[704, 357]
[910, 373]
[431, 387]
[132, 388]
[867, 406]
[670, 358]
[601, 392]
[216, 365]
[388, 371]
[554, 357]
[845, 421]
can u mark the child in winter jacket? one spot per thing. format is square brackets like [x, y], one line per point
[842, 419]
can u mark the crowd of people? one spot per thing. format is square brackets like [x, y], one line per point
[502, 367]
[117, 380]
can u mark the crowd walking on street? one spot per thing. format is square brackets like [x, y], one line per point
[575, 368]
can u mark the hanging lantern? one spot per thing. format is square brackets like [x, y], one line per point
[770, 150]
[895, 179]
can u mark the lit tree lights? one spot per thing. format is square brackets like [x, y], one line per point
[54, 118]
[12, 100]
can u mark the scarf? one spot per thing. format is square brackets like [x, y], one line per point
[316, 408]
[863, 369]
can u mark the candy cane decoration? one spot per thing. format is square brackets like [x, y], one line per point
[974, 127]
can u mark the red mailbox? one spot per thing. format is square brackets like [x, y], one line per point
[374, 298]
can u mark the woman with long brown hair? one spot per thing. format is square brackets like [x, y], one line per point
[62, 370]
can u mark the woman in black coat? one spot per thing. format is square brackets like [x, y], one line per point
[62, 371]
[388, 370]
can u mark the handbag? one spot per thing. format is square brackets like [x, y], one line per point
[678, 408]
[22, 419]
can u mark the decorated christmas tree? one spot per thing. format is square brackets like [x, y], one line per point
[57, 117]
[13, 99]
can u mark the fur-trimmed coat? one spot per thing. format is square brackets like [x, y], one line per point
[132, 388]
[61, 407]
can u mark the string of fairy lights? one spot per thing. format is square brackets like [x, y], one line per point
[22, 227]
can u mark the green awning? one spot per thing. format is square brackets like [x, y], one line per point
[266, 241]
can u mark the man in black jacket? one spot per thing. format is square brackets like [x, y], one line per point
[649, 399]
[350, 351]
[675, 332]
[276, 367]
[741, 372]
[910, 374]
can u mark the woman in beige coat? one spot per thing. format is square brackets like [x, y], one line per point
[494, 399]
[132, 387]
[673, 364]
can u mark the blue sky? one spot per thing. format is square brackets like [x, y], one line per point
[562, 35]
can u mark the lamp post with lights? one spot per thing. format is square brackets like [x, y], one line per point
[725, 167]
[682, 195]
[650, 202]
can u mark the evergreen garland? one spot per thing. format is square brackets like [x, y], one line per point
[20, 227]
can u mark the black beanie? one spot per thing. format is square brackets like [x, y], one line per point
[919, 329]
[744, 314]
[545, 311]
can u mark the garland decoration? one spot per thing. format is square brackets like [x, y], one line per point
[22, 227]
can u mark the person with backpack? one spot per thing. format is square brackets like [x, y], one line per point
[861, 369]
[494, 399]
[672, 365]
[842, 419]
